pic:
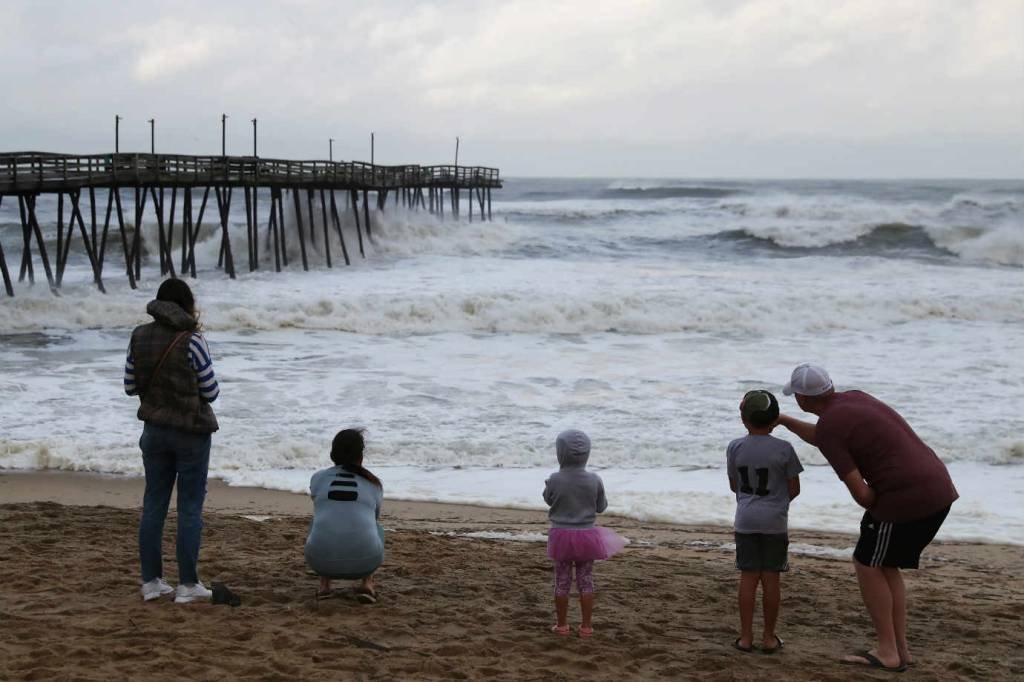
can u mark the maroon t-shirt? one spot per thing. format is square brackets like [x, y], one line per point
[859, 431]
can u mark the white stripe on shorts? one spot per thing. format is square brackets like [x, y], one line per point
[881, 543]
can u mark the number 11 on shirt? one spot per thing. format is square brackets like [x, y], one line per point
[762, 481]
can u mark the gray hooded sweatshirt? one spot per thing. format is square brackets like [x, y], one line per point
[574, 494]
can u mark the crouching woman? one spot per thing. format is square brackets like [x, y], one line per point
[346, 541]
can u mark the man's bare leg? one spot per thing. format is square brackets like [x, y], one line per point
[325, 585]
[899, 610]
[878, 598]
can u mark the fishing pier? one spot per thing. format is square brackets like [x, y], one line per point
[92, 192]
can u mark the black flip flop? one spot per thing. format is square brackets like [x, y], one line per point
[873, 662]
[778, 645]
[744, 649]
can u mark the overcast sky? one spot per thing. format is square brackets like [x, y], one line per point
[672, 88]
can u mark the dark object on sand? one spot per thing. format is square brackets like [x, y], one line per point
[222, 595]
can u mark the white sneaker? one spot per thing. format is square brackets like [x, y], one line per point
[190, 593]
[155, 589]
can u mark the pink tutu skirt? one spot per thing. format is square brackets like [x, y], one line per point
[583, 544]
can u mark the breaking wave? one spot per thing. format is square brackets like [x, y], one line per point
[668, 193]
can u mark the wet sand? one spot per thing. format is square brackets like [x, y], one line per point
[465, 594]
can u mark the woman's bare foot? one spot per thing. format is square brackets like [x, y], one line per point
[365, 593]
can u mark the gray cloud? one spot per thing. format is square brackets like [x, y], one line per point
[658, 87]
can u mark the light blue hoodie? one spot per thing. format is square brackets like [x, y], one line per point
[575, 495]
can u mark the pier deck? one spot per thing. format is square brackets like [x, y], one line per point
[75, 179]
[40, 172]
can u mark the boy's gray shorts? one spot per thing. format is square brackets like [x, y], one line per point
[762, 552]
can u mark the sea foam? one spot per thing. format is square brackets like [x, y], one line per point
[640, 317]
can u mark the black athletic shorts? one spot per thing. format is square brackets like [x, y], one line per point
[896, 545]
[762, 552]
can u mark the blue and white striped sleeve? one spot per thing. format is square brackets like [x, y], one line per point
[200, 361]
[129, 373]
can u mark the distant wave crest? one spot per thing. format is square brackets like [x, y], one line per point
[1003, 245]
[696, 192]
[873, 238]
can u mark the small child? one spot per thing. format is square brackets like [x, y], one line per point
[764, 472]
[575, 497]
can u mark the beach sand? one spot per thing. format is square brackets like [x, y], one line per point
[452, 606]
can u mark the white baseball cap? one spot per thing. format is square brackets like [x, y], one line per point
[808, 379]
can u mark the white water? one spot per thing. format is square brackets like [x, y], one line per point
[465, 348]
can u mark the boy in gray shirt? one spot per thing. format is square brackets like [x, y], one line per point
[764, 472]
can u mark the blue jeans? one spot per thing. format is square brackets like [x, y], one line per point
[170, 454]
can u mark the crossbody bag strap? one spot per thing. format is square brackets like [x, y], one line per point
[156, 370]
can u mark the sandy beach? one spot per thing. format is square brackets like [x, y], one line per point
[465, 594]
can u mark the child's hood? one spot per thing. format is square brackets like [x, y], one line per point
[573, 449]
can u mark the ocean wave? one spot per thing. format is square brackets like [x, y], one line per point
[696, 192]
[541, 195]
[331, 300]
[872, 239]
[396, 232]
[1012, 452]
[439, 289]
[973, 226]
[1003, 245]
[577, 216]
[998, 245]
[986, 203]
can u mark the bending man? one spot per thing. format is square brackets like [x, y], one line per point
[901, 483]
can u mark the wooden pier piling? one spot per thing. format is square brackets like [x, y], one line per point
[148, 177]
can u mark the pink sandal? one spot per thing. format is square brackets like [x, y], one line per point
[586, 632]
[561, 630]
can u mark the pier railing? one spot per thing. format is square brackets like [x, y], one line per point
[40, 172]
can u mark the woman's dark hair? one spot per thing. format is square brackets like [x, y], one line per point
[347, 452]
[176, 291]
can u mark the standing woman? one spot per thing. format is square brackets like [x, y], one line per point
[170, 369]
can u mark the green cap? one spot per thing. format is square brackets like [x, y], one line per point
[760, 408]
